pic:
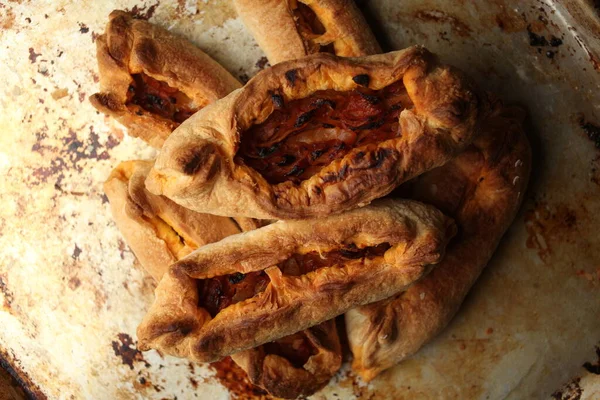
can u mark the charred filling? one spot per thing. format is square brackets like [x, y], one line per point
[219, 292]
[303, 136]
[159, 98]
[310, 27]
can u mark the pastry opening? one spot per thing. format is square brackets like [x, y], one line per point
[301, 137]
[219, 292]
[295, 348]
[157, 97]
[178, 245]
[310, 27]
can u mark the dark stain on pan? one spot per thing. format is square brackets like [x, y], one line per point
[591, 130]
[233, 377]
[571, 391]
[9, 364]
[145, 12]
[6, 292]
[33, 55]
[83, 28]
[126, 350]
[262, 63]
[458, 27]
[547, 225]
[594, 368]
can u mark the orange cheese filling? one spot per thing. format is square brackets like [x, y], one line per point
[301, 137]
[159, 98]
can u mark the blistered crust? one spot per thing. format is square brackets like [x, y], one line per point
[131, 46]
[273, 26]
[198, 167]
[177, 325]
[482, 189]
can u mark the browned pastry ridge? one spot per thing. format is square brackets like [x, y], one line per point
[297, 274]
[161, 232]
[152, 80]
[318, 136]
[291, 29]
[482, 189]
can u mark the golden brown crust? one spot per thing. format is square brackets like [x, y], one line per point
[482, 188]
[198, 167]
[153, 226]
[275, 28]
[177, 325]
[131, 46]
[282, 379]
[140, 215]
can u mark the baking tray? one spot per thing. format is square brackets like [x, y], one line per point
[72, 293]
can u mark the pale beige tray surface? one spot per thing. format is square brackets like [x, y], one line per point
[71, 296]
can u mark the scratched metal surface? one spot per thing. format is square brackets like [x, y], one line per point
[71, 293]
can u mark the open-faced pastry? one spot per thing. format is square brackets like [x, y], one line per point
[152, 80]
[161, 232]
[317, 136]
[291, 29]
[482, 189]
[250, 289]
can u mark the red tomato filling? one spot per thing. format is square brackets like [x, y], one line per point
[301, 137]
[159, 98]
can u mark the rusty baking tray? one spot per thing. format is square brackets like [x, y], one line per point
[71, 293]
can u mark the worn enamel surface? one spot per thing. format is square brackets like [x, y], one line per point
[72, 293]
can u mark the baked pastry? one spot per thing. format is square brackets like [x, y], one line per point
[161, 232]
[291, 29]
[250, 289]
[152, 80]
[317, 136]
[482, 189]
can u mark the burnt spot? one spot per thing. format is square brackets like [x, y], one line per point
[193, 162]
[236, 278]
[286, 160]
[295, 171]
[324, 102]
[591, 130]
[370, 98]
[362, 79]
[303, 118]
[370, 125]
[277, 100]
[328, 126]
[535, 39]
[316, 154]
[33, 55]
[342, 172]
[331, 177]
[291, 76]
[125, 349]
[266, 151]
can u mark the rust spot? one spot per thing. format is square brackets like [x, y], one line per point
[291, 76]
[547, 225]
[193, 382]
[33, 55]
[125, 348]
[458, 27]
[262, 63]
[571, 391]
[143, 12]
[233, 377]
[74, 283]
[594, 368]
